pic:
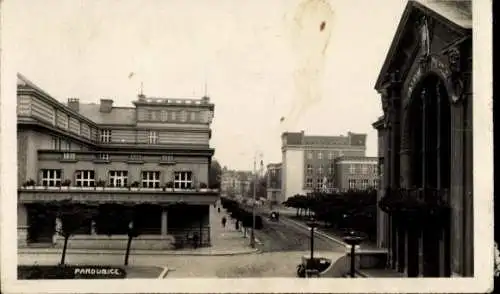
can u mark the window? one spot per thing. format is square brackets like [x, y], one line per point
[103, 156]
[56, 143]
[319, 183]
[309, 182]
[331, 169]
[135, 157]
[341, 153]
[167, 158]
[320, 170]
[183, 115]
[320, 155]
[51, 177]
[153, 115]
[364, 184]
[69, 156]
[183, 180]
[309, 155]
[118, 178]
[375, 183]
[164, 115]
[364, 169]
[151, 179]
[174, 115]
[153, 137]
[309, 169]
[84, 178]
[193, 116]
[352, 169]
[351, 183]
[330, 155]
[375, 169]
[105, 136]
[66, 145]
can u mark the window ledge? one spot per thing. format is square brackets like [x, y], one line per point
[102, 161]
[68, 160]
[167, 162]
[135, 161]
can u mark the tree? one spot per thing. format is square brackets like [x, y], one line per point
[214, 176]
[70, 217]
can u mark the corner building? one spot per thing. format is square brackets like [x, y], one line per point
[154, 156]
[426, 137]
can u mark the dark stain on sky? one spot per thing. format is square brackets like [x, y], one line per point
[322, 26]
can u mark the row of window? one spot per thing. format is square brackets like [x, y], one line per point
[116, 178]
[105, 156]
[362, 183]
[331, 169]
[331, 155]
[106, 135]
[164, 115]
[353, 168]
[320, 182]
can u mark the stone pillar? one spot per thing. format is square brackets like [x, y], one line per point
[164, 220]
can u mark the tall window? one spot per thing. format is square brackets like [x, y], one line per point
[352, 169]
[193, 116]
[364, 184]
[151, 179]
[351, 183]
[66, 145]
[56, 143]
[51, 177]
[174, 115]
[183, 180]
[84, 178]
[331, 169]
[103, 156]
[309, 168]
[153, 137]
[309, 155]
[118, 178]
[309, 182]
[364, 169]
[319, 183]
[183, 116]
[164, 115]
[105, 136]
[330, 155]
[320, 155]
[375, 184]
[320, 169]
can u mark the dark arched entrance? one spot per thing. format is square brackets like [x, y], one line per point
[429, 122]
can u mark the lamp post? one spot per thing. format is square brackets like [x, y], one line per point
[353, 238]
[312, 224]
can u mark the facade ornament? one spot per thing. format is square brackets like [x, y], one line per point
[425, 41]
[455, 77]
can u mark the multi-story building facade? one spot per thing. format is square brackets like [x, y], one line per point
[426, 91]
[356, 173]
[154, 156]
[308, 162]
[236, 183]
[273, 182]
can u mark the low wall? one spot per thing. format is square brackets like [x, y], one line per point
[152, 242]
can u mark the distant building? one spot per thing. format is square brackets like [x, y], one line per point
[236, 183]
[309, 162]
[153, 156]
[356, 173]
[273, 182]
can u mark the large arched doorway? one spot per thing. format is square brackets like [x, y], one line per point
[430, 169]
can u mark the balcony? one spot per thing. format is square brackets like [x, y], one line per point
[122, 195]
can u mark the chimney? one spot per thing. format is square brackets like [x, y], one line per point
[106, 105]
[74, 103]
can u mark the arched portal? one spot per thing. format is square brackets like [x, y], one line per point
[429, 127]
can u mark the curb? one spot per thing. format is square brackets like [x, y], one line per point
[164, 273]
[104, 252]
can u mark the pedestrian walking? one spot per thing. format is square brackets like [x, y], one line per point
[218, 209]
[223, 221]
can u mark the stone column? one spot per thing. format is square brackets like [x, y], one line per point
[164, 224]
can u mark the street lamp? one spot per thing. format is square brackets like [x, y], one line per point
[353, 238]
[312, 224]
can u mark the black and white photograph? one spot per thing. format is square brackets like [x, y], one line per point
[247, 146]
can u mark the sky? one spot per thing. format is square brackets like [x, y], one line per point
[313, 62]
